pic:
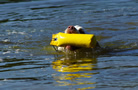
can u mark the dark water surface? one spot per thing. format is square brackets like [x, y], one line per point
[27, 62]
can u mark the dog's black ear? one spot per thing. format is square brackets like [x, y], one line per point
[81, 31]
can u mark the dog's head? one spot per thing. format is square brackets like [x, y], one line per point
[71, 29]
[74, 29]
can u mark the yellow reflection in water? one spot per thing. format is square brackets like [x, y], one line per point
[75, 72]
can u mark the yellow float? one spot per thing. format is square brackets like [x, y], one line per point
[79, 40]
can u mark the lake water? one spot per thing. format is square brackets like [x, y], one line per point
[28, 62]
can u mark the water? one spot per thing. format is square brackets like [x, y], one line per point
[28, 62]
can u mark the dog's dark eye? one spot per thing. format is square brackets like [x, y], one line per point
[55, 39]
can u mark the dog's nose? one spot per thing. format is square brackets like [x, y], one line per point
[71, 27]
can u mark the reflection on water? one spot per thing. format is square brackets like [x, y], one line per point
[75, 71]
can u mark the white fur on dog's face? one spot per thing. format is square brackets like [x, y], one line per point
[78, 27]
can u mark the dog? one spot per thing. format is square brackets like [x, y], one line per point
[74, 30]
